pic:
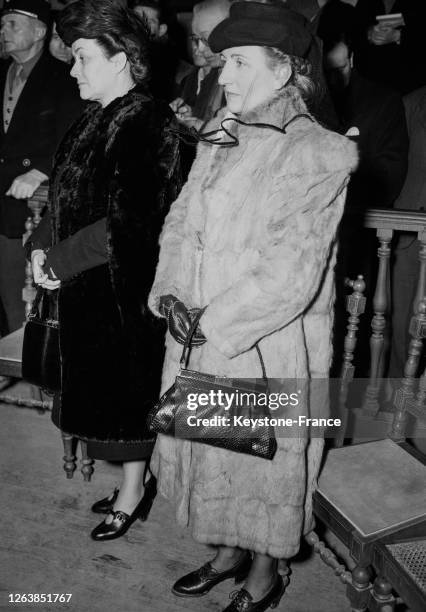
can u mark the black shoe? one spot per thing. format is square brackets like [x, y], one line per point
[200, 582]
[243, 602]
[120, 523]
[103, 506]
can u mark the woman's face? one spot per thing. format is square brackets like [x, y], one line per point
[58, 48]
[247, 79]
[96, 74]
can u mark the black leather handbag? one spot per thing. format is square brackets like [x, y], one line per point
[41, 363]
[216, 426]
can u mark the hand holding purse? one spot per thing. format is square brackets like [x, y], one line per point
[179, 320]
[170, 415]
[41, 362]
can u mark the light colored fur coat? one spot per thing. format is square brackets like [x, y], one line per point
[252, 236]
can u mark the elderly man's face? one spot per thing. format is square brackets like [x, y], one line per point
[19, 32]
[203, 22]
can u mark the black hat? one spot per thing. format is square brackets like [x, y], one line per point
[37, 9]
[263, 25]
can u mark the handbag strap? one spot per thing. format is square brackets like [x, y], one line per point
[36, 303]
[187, 346]
[42, 306]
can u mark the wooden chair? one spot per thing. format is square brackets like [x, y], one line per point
[372, 494]
[11, 354]
[11, 345]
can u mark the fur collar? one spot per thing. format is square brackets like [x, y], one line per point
[278, 111]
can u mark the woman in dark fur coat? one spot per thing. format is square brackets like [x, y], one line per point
[115, 175]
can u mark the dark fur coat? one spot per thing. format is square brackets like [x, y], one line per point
[122, 163]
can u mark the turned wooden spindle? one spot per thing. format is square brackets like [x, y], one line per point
[70, 460]
[381, 598]
[405, 393]
[86, 462]
[355, 306]
[359, 590]
[378, 323]
[36, 204]
[421, 284]
[28, 292]
[418, 408]
[329, 558]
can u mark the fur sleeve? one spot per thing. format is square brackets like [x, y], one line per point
[303, 214]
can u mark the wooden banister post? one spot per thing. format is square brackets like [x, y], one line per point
[405, 393]
[355, 306]
[36, 204]
[378, 324]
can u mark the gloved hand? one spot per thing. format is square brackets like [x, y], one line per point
[198, 337]
[179, 320]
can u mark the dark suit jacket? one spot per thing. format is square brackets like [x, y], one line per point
[379, 115]
[48, 104]
[210, 98]
[401, 67]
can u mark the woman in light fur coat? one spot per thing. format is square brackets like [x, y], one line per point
[252, 237]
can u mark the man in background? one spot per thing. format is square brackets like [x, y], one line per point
[201, 95]
[378, 113]
[39, 101]
[406, 270]
[167, 67]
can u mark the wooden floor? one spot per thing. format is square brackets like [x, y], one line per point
[45, 548]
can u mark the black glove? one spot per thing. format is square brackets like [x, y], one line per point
[198, 338]
[179, 320]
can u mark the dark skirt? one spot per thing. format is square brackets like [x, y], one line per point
[119, 451]
[110, 450]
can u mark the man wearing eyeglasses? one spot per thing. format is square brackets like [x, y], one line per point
[201, 95]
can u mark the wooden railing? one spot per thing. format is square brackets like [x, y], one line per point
[11, 345]
[410, 397]
[36, 204]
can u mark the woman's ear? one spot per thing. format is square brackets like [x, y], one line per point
[119, 60]
[282, 75]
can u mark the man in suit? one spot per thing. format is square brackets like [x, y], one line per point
[38, 101]
[378, 113]
[201, 95]
[392, 56]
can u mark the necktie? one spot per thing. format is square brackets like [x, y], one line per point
[17, 78]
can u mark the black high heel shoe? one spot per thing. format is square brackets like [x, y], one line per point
[103, 506]
[122, 521]
[242, 601]
[198, 583]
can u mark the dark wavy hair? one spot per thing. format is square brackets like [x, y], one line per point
[113, 26]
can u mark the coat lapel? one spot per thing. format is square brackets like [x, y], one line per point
[3, 74]
[32, 89]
